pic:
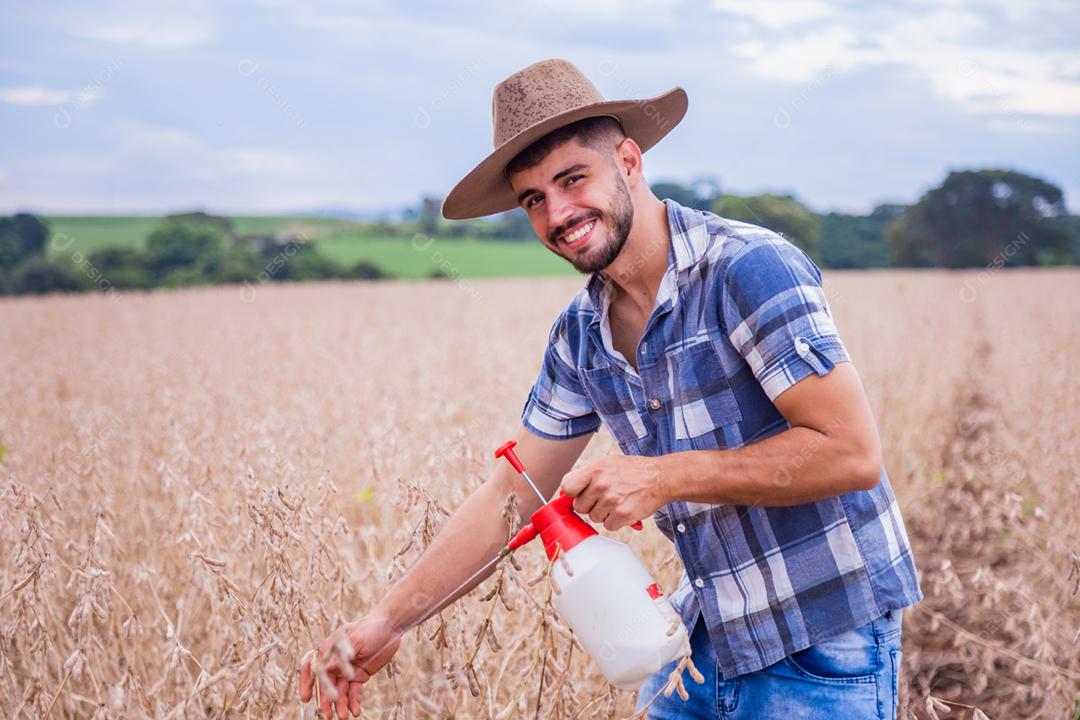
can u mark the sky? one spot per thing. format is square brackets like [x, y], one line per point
[286, 106]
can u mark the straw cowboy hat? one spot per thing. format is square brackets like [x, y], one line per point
[537, 100]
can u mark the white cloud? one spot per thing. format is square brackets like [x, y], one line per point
[804, 58]
[188, 169]
[985, 79]
[777, 14]
[181, 154]
[156, 27]
[157, 38]
[940, 43]
[1027, 125]
[621, 10]
[40, 95]
[153, 169]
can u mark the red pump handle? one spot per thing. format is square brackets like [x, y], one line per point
[507, 450]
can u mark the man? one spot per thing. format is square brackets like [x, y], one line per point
[707, 349]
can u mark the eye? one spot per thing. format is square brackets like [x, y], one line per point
[572, 178]
[529, 202]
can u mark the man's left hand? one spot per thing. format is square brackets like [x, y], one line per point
[617, 490]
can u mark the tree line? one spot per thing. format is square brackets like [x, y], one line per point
[975, 218]
[185, 249]
[967, 222]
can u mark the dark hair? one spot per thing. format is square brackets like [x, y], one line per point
[603, 132]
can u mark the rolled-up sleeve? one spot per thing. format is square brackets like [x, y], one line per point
[777, 316]
[557, 407]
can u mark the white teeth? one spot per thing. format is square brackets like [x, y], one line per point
[579, 233]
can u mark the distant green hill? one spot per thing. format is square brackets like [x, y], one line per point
[401, 257]
[344, 241]
[93, 232]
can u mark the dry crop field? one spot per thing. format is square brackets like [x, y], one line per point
[196, 485]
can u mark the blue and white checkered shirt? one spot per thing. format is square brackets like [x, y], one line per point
[740, 317]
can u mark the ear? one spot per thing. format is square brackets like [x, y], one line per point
[628, 161]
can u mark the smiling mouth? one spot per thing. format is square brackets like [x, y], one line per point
[579, 236]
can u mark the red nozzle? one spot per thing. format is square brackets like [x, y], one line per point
[557, 525]
[524, 535]
[507, 450]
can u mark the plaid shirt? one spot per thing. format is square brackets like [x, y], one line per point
[740, 317]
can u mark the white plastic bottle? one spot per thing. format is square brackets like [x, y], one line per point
[617, 611]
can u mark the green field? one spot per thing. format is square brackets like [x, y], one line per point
[72, 233]
[453, 256]
[343, 241]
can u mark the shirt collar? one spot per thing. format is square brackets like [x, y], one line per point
[689, 240]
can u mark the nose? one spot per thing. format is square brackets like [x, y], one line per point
[559, 211]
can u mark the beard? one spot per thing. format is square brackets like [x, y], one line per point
[619, 221]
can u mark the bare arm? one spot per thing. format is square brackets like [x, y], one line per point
[831, 448]
[476, 531]
[472, 536]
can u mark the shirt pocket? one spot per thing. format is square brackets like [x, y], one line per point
[704, 407]
[613, 400]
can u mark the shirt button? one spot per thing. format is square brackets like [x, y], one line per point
[644, 348]
[680, 527]
[700, 583]
[654, 404]
[802, 347]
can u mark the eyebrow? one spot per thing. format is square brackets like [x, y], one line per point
[558, 176]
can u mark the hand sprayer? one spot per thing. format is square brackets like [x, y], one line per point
[602, 591]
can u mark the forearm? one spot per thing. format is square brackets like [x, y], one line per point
[796, 466]
[471, 537]
[475, 533]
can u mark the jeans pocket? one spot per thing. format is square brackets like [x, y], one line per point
[848, 658]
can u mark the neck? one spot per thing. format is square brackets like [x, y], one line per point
[641, 265]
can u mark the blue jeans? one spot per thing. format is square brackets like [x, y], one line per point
[852, 675]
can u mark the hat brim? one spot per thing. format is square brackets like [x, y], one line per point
[485, 191]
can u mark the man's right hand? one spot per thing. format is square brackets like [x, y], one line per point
[373, 641]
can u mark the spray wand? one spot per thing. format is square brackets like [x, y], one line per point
[562, 529]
